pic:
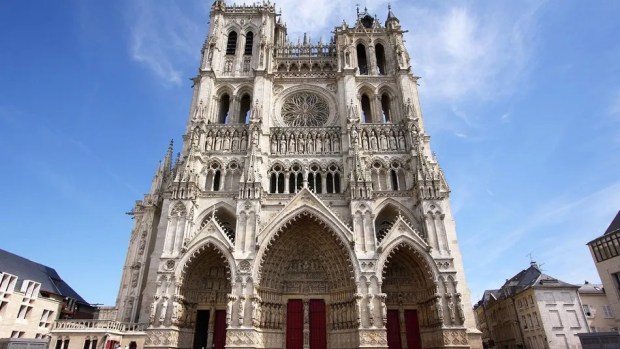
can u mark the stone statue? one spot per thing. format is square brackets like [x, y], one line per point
[164, 308]
[371, 310]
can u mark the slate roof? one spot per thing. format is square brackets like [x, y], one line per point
[531, 277]
[589, 288]
[614, 226]
[26, 269]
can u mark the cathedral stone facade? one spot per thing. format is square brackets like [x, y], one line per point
[306, 209]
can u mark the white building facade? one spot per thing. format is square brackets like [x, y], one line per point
[306, 209]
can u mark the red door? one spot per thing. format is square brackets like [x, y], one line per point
[295, 324]
[393, 329]
[412, 327]
[219, 330]
[318, 326]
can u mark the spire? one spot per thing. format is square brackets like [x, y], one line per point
[391, 17]
[168, 158]
[163, 171]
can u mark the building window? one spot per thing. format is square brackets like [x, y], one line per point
[362, 62]
[86, 344]
[385, 107]
[45, 318]
[606, 247]
[608, 312]
[587, 310]
[66, 344]
[380, 54]
[231, 45]
[224, 109]
[249, 42]
[17, 334]
[24, 311]
[295, 179]
[244, 109]
[366, 109]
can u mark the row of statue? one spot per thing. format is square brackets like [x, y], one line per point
[231, 140]
[380, 140]
[308, 143]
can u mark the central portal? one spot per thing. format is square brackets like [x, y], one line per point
[307, 288]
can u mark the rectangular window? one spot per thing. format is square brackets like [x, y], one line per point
[616, 281]
[573, 319]
[608, 313]
[94, 344]
[17, 334]
[66, 344]
[87, 344]
[21, 314]
[549, 298]
[556, 321]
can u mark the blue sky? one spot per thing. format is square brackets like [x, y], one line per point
[521, 99]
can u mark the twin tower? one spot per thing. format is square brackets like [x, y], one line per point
[306, 209]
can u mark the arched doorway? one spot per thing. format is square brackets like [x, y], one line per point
[410, 297]
[204, 293]
[307, 287]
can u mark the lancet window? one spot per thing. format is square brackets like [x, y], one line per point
[386, 108]
[224, 109]
[392, 178]
[231, 44]
[291, 180]
[333, 179]
[276, 179]
[244, 109]
[315, 179]
[362, 62]
[214, 177]
[295, 178]
[249, 42]
[366, 109]
[380, 56]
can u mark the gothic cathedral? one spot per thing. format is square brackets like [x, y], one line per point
[305, 209]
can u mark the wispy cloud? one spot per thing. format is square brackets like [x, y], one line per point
[464, 52]
[614, 105]
[165, 37]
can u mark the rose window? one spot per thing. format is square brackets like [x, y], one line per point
[305, 109]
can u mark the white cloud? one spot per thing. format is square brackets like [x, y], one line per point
[165, 37]
[614, 105]
[466, 53]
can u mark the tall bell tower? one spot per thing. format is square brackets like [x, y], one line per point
[306, 209]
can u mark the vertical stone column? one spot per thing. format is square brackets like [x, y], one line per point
[306, 308]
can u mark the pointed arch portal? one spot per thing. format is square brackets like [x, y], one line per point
[410, 297]
[204, 291]
[307, 285]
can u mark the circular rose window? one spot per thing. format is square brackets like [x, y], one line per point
[305, 109]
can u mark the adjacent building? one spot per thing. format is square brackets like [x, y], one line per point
[532, 310]
[32, 297]
[606, 254]
[597, 309]
[306, 209]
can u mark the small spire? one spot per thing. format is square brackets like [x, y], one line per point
[391, 15]
[168, 158]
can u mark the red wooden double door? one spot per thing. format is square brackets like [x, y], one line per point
[295, 324]
[411, 327]
[201, 333]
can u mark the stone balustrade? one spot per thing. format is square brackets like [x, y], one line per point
[106, 325]
[305, 51]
